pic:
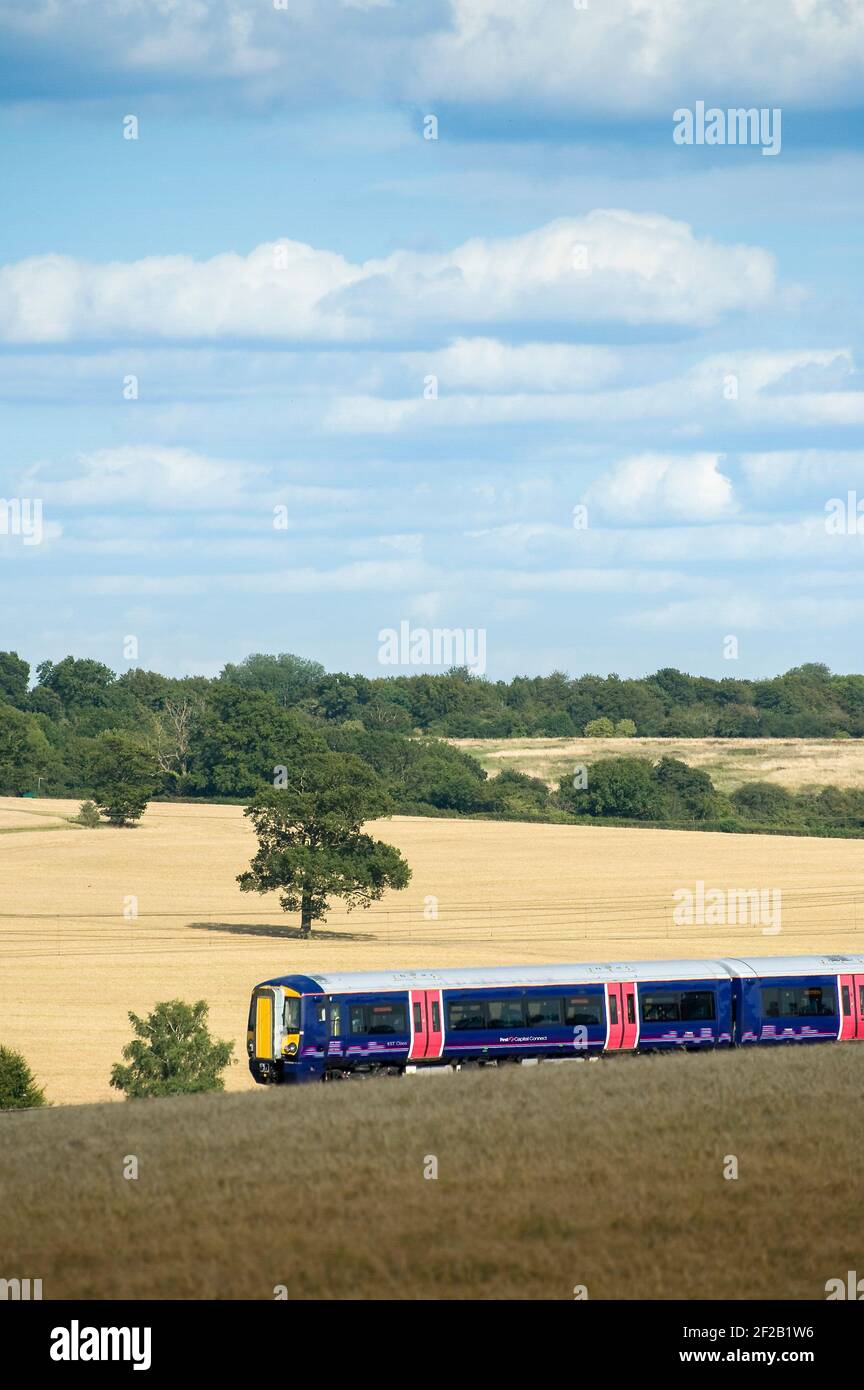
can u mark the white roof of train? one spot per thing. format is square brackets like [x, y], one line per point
[590, 972]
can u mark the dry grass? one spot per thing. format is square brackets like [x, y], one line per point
[607, 1174]
[795, 763]
[72, 966]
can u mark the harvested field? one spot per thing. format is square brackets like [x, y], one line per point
[73, 965]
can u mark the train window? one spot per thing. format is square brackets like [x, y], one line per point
[847, 1002]
[861, 1001]
[386, 1018]
[631, 1012]
[505, 1013]
[335, 1019]
[677, 1006]
[466, 1013]
[613, 1008]
[538, 1011]
[379, 1018]
[798, 1001]
[582, 1008]
[418, 1019]
[291, 1015]
[436, 1017]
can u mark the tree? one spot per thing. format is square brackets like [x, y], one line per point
[14, 678]
[310, 843]
[18, 1089]
[124, 776]
[622, 787]
[172, 1053]
[24, 750]
[242, 737]
[88, 815]
[170, 739]
[688, 793]
[625, 728]
[288, 678]
[599, 728]
[79, 681]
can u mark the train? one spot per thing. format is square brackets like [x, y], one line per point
[324, 1027]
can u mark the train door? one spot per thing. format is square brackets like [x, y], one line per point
[435, 1020]
[622, 1017]
[427, 1034]
[263, 1023]
[851, 1006]
[419, 1024]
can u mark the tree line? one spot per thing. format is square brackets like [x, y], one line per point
[82, 730]
[805, 702]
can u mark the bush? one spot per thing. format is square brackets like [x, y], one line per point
[18, 1089]
[765, 802]
[172, 1053]
[599, 728]
[622, 787]
[625, 728]
[88, 815]
[520, 794]
[688, 793]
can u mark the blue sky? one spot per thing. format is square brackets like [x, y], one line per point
[667, 335]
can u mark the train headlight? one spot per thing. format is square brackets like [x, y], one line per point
[290, 1049]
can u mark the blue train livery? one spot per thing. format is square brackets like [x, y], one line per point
[323, 1026]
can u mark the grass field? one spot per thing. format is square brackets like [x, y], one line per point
[607, 1175]
[795, 763]
[73, 965]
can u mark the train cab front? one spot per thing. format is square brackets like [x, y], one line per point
[273, 1034]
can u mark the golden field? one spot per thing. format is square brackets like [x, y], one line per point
[608, 1175]
[798, 764]
[73, 965]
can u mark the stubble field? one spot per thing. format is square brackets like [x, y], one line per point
[75, 958]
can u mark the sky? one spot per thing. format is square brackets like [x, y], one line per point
[319, 317]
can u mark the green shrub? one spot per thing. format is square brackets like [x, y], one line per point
[172, 1053]
[599, 728]
[18, 1089]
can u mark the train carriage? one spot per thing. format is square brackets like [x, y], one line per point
[322, 1026]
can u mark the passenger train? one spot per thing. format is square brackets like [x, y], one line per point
[323, 1026]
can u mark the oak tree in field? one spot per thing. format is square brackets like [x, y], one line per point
[123, 775]
[172, 1053]
[18, 1089]
[311, 845]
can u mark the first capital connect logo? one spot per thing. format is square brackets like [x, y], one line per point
[77, 1343]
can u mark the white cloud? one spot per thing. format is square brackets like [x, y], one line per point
[641, 268]
[741, 612]
[149, 474]
[787, 474]
[487, 364]
[651, 486]
[633, 56]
